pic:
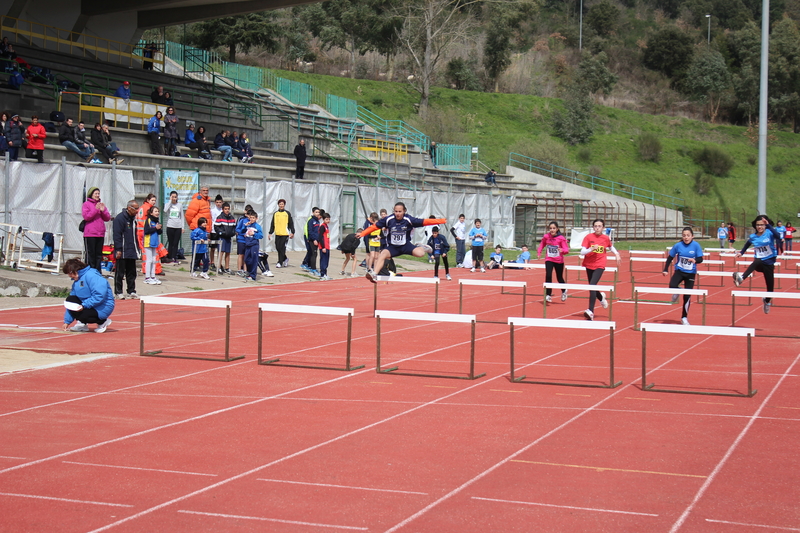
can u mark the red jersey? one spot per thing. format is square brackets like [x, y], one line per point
[324, 237]
[596, 259]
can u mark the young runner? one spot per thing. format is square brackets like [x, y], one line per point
[399, 226]
[438, 243]
[722, 234]
[556, 246]
[789, 235]
[689, 254]
[731, 235]
[765, 242]
[594, 248]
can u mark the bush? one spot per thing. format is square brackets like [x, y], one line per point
[575, 124]
[584, 154]
[752, 159]
[595, 170]
[544, 148]
[703, 183]
[779, 168]
[649, 147]
[714, 160]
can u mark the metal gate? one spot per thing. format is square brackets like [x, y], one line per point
[348, 211]
[525, 223]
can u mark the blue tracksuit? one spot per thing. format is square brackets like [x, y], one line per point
[94, 292]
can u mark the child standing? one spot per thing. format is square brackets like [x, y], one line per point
[496, 258]
[225, 228]
[722, 234]
[324, 247]
[789, 235]
[252, 234]
[152, 232]
[478, 236]
[439, 247]
[731, 235]
[373, 243]
[200, 248]
[240, 229]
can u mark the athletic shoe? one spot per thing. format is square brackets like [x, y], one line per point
[285, 261]
[79, 326]
[767, 305]
[213, 268]
[430, 260]
[303, 267]
[341, 273]
[195, 274]
[325, 278]
[315, 272]
[472, 269]
[436, 278]
[103, 327]
[370, 275]
[133, 296]
[148, 281]
[564, 296]
[588, 314]
[354, 275]
[155, 281]
[483, 269]
[277, 265]
[685, 321]
[737, 279]
[241, 273]
[448, 278]
[119, 296]
[428, 250]
[604, 303]
[548, 299]
[675, 298]
[204, 275]
[363, 264]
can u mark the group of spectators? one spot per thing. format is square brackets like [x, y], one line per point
[15, 136]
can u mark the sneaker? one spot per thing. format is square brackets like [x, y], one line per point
[133, 296]
[119, 296]
[79, 326]
[269, 274]
[767, 305]
[303, 267]
[430, 260]
[148, 281]
[278, 265]
[737, 279]
[241, 273]
[685, 321]
[315, 272]
[354, 275]
[341, 273]
[448, 278]
[604, 303]
[103, 327]
[363, 264]
[548, 299]
[588, 314]
[285, 261]
[675, 298]
[436, 278]
[195, 274]
[370, 275]
[155, 281]
[483, 269]
[472, 269]
[204, 275]
[564, 296]
[428, 250]
[213, 268]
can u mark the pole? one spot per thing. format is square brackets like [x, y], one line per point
[709, 30]
[580, 30]
[762, 110]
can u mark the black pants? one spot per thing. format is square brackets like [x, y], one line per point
[280, 246]
[300, 171]
[125, 268]
[311, 255]
[688, 283]
[86, 316]
[769, 274]
[94, 251]
[549, 266]
[155, 144]
[200, 147]
[594, 278]
[436, 264]
[173, 242]
[38, 155]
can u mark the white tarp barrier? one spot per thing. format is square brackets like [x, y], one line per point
[110, 102]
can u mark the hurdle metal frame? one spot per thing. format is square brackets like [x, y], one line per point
[491, 283]
[580, 270]
[631, 260]
[665, 290]
[578, 287]
[404, 279]
[764, 294]
[699, 330]
[426, 317]
[306, 310]
[187, 302]
[568, 324]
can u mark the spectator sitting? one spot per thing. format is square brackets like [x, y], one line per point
[157, 96]
[124, 91]
[245, 149]
[232, 140]
[168, 98]
[221, 144]
[66, 136]
[80, 136]
[15, 80]
[101, 138]
[6, 49]
[491, 177]
[200, 142]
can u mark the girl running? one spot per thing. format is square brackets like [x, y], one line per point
[765, 241]
[556, 245]
[689, 254]
[594, 248]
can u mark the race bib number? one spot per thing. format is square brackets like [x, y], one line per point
[398, 239]
[600, 249]
[553, 251]
[763, 251]
[685, 263]
[174, 213]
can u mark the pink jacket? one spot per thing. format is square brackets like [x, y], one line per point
[95, 220]
[559, 241]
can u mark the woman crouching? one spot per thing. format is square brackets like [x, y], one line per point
[91, 300]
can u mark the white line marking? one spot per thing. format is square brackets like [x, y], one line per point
[63, 499]
[138, 468]
[677, 525]
[753, 525]
[9, 457]
[340, 486]
[241, 517]
[564, 506]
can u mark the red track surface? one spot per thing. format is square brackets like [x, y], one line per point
[150, 444]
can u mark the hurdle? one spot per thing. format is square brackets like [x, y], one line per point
[580, 270]
[490, 283]
[647, 252]
[708, 262]
[748, 263]
[403, 279]
[763, 294]
[699, 330]
[665, 290]
[306, 310]
[567, 324]
[578, 287]
[718, 274]
[426, 317]
[520, 266]
[795, 277]
[646, 260]
[186, 302]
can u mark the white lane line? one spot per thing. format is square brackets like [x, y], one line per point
[340, 486]
[753, 525]
[564, 506]
[682, 519]
[34, 496]
[10, 457]
[138, 468]
[262, 519]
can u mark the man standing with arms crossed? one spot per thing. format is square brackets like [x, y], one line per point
[459, 231]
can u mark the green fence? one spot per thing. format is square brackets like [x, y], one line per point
[394, 129]
[342, 107]
[453, 157]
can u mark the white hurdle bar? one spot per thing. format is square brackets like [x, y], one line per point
[490, 283]
[665, 290]
[578, 287]
[699, 330]
[186, 302]
[404, 279]
[305, 310]
[762, 294]
[426, 317]
[520, 266]
[566, 324]
[647, 252]
[645, 260]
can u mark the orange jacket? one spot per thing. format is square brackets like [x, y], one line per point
[199, 207]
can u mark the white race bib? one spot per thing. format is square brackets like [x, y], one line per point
[553, 251]
[398, 239]
[684, 263]
[763, 251]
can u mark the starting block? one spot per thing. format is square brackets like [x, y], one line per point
[187, 302]
[490, 283]
[426, 317]
[665, 290]
[306, 310]
[567, 324]
[404, 279]
[578, 287]
[699, 330]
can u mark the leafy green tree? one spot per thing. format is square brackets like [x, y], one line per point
[496, 52]
[575, 124]
[669, 51]
[296, 45]
[725, 14]
[784, 68]
[503, 34]
[460, 74]
[708, 81]
[241, 33]
[603, 18]
[593, 73]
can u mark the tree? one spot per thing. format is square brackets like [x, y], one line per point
[296, 46]
[603, 18]
[460, 74]
[784, 69]
[241, 32]
[708, 81]
[669, 51]
[504, 22]
[575, 124]
[594, 74]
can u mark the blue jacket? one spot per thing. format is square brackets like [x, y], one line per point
[313, 229]
[199, 234]
[94, 291]
[439, 244]
[253, 241]
[124, 231]
[188, 138]
[240, 228]
[123, 92]
[151, 233]
[154, 126]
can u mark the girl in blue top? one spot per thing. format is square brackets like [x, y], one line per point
[687, 255]
[765, 243]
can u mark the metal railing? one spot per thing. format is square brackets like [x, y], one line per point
[593, 182]
[396, 129]
[381, 150]
[453, 157]
[129, 112]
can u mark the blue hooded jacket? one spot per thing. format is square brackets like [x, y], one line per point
[94, 291]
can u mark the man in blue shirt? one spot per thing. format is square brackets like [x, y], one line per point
[124, 91]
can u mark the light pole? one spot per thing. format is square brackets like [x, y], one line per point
[580, 29]
[709, 30]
